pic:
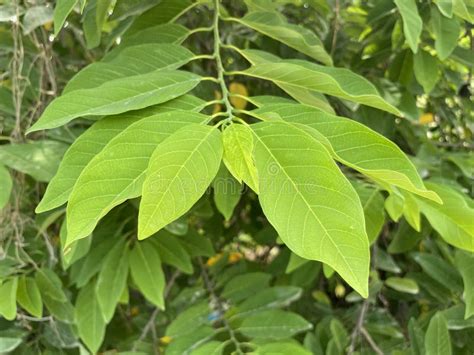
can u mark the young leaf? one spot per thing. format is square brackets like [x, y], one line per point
[238, 158]
[403, 285]
[412, 23]
[135, 60]
[112, 279]
[117, 96]
[274, 25]
[106, 182]
[180, 170]
[145, 267]
[8, 291]
[227, 191]
[338, 82]
[91, 143]
[61, 11]
[89, 319]
[465, 264]
[310, 203]
[273, 324]
[426, 70]
[6, 183]
[29, 297]
[446, 32]
[172, 252]
[348, 140]
[437, 340]
[453, 220]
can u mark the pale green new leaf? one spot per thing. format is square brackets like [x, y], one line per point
[465, 264]
[373, 205]
[117, 96]
[89, 320]
[273, 324]
[453, 220]
[348, 141]
[28, 296]
[107, 182]
[8, 291]
[135, 60]
[38, 159]
[426, 70]
[112, 279]
[6, 184]
[172, 252]
[91, 143]
[145, 267]
[74, 252]
[274, 25]
[313, 207]
[338, 82]
[401, 284]
[412, 23]
[61, 11]
[180, 170]
[464, 9]
[238, 158]
[446, 32]
[437, 339]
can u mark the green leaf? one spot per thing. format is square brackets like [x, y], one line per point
[373, 205]
[412, 23]
[61, 310]
[241, 287]
[437, 340]
[339, 335]
[197, 245]
[8, 344]
[38, 159]
[310, 203]
[426, 70]
[213, 347]
[29, 297]
[227, 192]
[61, 11]
[338, 82]
[94, 16]
[446, 32]
[417, 337]
[273, 324]
[117, 96]
[145, 267]
[172, 252]
[112, 279]
[106, 182]
[238, 158]
[282, 347]
[89, 319]
[441, 271]
[453, 220]
[135, 60]
[180, 170]
[405, 285]
[465, 265]
[126, 8]
[6, 183]
[91, 143]
[50, 284]
[298, 37]
[445, 7]
[8, 291]
[35, 17]
[394, 204]
[411, 211]
[464, 9]
[76, 251]
[197, 315]
[348, 140]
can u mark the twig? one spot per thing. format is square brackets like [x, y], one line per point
[371, 341]
[359, 326]
[336, 28]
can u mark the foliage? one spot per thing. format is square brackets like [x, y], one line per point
[268, 177]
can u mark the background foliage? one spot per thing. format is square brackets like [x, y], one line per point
[228, 282]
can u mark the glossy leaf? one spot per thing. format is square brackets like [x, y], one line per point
[91, 143]
[238, 158]
[310, 203]
[180, 170]
[412, 23]
[117, 96]
[437, 339]
[145, 267]
[348, 141]
[29, 297]
[106, 182]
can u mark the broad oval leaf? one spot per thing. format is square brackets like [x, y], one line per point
[426, 70]
[310, 203]
[29, 297]
[180, 170]
[238, 154]
[91, 143]
[172, 252]
[8, 291]
[107, 182]
[349, 141]
[274, 25]
[145, 267]
[227, 192]
[117, 96]
[446, 32]
[338, 82]
[412, 23]
[437, 339]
